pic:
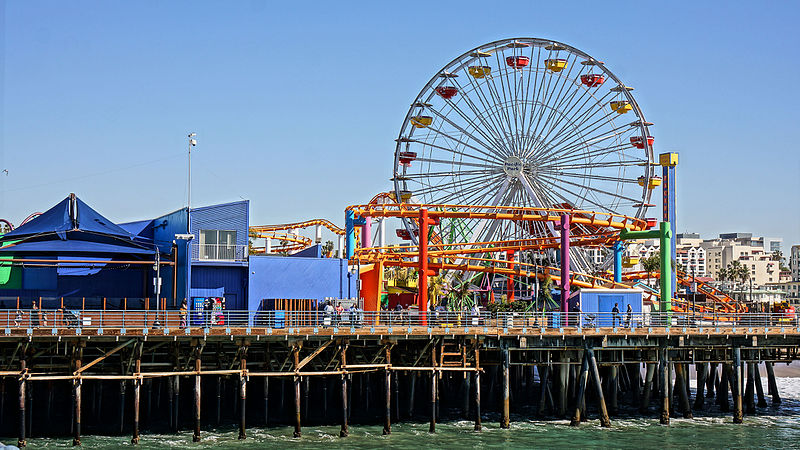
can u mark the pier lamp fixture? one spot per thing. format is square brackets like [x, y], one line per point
[192, 143]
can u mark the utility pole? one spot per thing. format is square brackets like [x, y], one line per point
[192, 143]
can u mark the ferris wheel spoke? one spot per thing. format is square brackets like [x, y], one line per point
[451, 173]
[502, 102]
[532, 135]
[592, 177]
[441, 133]
[595, 153]
[451, 150]
[579, 137]
[627, 163]
[550, 99]
[450, 162]
[594, 189]
[505, 86]
[429, 187]
[494, 116]
[458, 110]
[578, 196]
[524, 98]
[589, 143]
[479, 113]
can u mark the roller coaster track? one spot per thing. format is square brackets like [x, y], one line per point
[257, 229]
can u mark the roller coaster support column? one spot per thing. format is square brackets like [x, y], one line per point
[564, 268]
[510, 284]
[366, 233]
[618, 248]
[668, 162]
[664, 234]
[422, 284]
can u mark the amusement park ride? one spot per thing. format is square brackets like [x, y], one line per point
[517, 155]
[513, 160]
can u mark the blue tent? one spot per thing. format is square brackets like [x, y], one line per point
[73, 227]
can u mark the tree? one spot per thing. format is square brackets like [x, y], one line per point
[327, 248]
[544, 299]
[651, 264]
[437, 287]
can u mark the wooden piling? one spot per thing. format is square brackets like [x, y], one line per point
[266, 401]
[197, 393]
[76, 395]
[21, 441]
[699, 398]
[434, 381]
[219, 399]
[762, 402]
[306, 392]
[563, 371]
[297, 430]
[663, 376]
[771, 384]
[123, 388]
[343, 432]
[137, 387]
[648, 386]
[243, 395]
[601, 403]
[412, 384]
[543, 373]
[722, 390]
[737, 385]
[711, 379]
[613, 383]
[749, 392]
[683, 395]
[387, 424]
[505, 418]
[583, 378]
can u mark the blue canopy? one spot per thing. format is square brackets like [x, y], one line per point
[73, 227]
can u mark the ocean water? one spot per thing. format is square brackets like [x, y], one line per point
[773, 427]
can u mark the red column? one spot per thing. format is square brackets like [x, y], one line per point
[510, 285]
[422, 296]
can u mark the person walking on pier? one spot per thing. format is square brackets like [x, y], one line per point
[34, 315]
[184, 311]
[615, 315]
[628, 316]
[18, 319]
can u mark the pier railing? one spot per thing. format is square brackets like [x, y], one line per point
[393, 321]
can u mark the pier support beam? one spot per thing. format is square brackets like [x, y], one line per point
[21, 441]
[722, 389]
[663, 375]
[243, 394]
[749, 392]
[197, 365]
[387, 424]
[601, 402]
[297, 429]
[699, 398]
[737, 385]
[434, 382]
[76, 396]
[544, 371]
[762, 402]
[478, 425]
[343, 432]
[583, 378]
[137, 389]
[680, 385]
[505, 418]
[711, 379]
[771, 384]
[613, 383]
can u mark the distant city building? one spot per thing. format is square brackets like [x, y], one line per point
[794, 262]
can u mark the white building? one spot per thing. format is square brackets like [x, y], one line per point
[794, 262]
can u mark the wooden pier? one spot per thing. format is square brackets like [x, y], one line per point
[70, 382]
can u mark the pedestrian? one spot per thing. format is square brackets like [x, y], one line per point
[184, 311]
[18, 319]
[615, 315]
[399, 313]
[629, 314]
[328, 314]
[34, 315]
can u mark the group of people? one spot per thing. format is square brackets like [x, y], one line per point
[335, 315]
[617, 318]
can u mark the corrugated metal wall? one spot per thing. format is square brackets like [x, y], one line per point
[227, 216]
[233, 279]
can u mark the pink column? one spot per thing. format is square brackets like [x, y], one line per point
[366, 233]
[564, 268]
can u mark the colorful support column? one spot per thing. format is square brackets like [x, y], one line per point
[422, 295]
[510, 283]
[564, 267]
[667, 283]
[350, 234]
[668, 161]
[366, 233]
[618, 248]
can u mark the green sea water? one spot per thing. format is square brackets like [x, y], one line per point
[772, 427]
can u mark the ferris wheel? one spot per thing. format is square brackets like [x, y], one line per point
[525, 123]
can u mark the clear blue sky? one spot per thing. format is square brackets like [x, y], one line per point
[296, 107]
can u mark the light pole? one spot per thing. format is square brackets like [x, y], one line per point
[192, 143]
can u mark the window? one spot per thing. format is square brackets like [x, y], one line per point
[217, 244]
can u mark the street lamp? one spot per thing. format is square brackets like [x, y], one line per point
[192, 143]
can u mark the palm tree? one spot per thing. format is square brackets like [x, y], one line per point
[651, 264]
[436, 288]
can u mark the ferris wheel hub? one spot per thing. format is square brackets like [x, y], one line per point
[512, 166]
